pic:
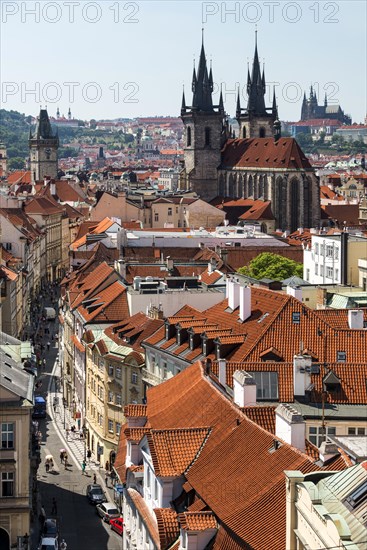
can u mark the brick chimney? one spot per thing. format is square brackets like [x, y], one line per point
[244, 389]
[290, 426]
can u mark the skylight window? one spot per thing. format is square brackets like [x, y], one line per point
[358, 496]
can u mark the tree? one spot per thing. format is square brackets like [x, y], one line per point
[272, 266]
[16, 163]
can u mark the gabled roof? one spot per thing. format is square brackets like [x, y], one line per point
[96, 229]
[174, 451]
[264, 153]
[42, 205]
[107, 306]
[19, 177]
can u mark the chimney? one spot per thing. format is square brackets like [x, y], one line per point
[210, 268]
[222, 368]
[244, 389]
[208, 367]
[52, 187]
[290, 426]
[245, 302]
[234, 294]
[327, 451]
[295, 291]
[344, 258]
[355, 319]
[228, 280]
[301, 374]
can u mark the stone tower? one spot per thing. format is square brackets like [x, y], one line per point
[206, 131]
[43, 145]
[256, 120]
[3, 160]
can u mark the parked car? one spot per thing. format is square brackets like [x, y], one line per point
[50, 528]
[48, 543]
[95, 494]
[107, 511]
[117, 525]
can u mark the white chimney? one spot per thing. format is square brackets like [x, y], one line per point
[327, 451]
[290, 426]
[210, 268]
[222, 371]
[244, 389]
[228, 280]
[234, 294]
[295, 291]
[301, 374]
[355, 319]
[245, 302]
[52, 187]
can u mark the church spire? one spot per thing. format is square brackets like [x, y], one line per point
[274, 107]
[221, 103]
[183, 104]
[238, 108]
[256, 89]
[202, 98]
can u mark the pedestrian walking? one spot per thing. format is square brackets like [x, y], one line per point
[44, 364]
[106, 479]
[84, 465]
[62, 456]
[89, 454]
[48, 346]
[65, 460]
[94, 479]
[47, 466]
[54, 507]
[54, 406]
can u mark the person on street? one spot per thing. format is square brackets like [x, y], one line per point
[47, 466]
[48, 346]
[61, 456]
[94, 479]
[65, 460]
[84, 465]
[54, 507]
[44, 364]
[89, 454]
[106, 479]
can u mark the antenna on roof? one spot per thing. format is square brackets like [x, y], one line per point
[301, 347]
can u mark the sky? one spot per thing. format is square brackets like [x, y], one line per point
[113, 59]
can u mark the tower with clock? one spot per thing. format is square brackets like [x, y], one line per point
[43, 146]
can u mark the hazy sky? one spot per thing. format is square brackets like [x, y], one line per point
[114, 59]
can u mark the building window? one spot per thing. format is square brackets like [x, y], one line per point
[341, 356]
[356, 431]
[164, 369]
[110, 426]
[110, 370]
[110, 397]
[329, 272]
[266, 384]
[316, 436]
[118, 372]
[118, 428]
[188, 136]
[118, 399]
[207, 137]
[169, 213]
[7, 436]
[307, 274]
[100, 392]
[316, 269]
[156, 217]
[316, 248]
[134, 378]
[321, 270]
[337, 275]
[101, 364]
[329, 250]
[262, 132]
[7, 484]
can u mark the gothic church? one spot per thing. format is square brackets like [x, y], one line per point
[259, 164]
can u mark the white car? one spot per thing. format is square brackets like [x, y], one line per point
[48, 543]
[107, 511]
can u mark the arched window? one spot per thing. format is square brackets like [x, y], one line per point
[244, 132]
[207, 136]
[262, 132]
[188, 136]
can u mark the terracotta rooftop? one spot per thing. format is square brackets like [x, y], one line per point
[168, 526]
[144, 513]
[197, 521]
[135, 410]
[173, 451]
[264, 153]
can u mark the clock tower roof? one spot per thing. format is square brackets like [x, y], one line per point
[43, 127]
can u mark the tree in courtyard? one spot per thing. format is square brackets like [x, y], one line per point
[272, 266]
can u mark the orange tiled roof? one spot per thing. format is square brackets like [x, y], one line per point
[135, 410]
[262, 415]
[19, 176]
[264, 153]
[211, 278]
[197, 521]
[135, 434]
[173, 451]
[77, 344]
[98, 228]
[168, 526]
[108, 305]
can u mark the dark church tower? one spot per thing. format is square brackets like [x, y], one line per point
[205, 134]
[43, 145]
[256, 120]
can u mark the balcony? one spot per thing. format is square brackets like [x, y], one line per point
[150, 378]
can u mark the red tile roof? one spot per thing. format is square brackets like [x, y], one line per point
[19, 176]
[264, 153]
[135, 410]
[168, 526]
[173, 451]
[145, 515]
[197, 521]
